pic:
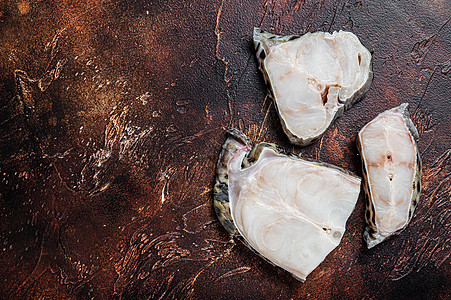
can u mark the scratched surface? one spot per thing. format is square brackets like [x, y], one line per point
[112, 114]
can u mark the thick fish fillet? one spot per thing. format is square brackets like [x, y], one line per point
[392, 172]
[313, 78]
[291, 211]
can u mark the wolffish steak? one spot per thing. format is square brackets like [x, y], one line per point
[291, 211]
[392, 172]
[313, 78]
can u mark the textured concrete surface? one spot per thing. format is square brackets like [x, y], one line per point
[112, 115]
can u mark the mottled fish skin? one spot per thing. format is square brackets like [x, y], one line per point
[262, 42]
[235, 141]
[372, 235]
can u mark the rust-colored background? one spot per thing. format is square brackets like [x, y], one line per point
[112, 116]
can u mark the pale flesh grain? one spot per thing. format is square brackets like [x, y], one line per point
[292, 212]
[313, 78]
[392, 168]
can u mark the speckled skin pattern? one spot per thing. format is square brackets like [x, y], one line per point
[112, 118]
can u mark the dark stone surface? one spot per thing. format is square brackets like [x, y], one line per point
[112, 114]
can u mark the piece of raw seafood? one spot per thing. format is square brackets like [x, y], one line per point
[291, 211]
[392, 172]
[313, 78]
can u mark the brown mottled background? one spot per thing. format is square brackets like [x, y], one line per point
[112, 114]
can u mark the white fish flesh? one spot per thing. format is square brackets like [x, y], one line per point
[291, 211]
[392, 172]
[313, 78]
